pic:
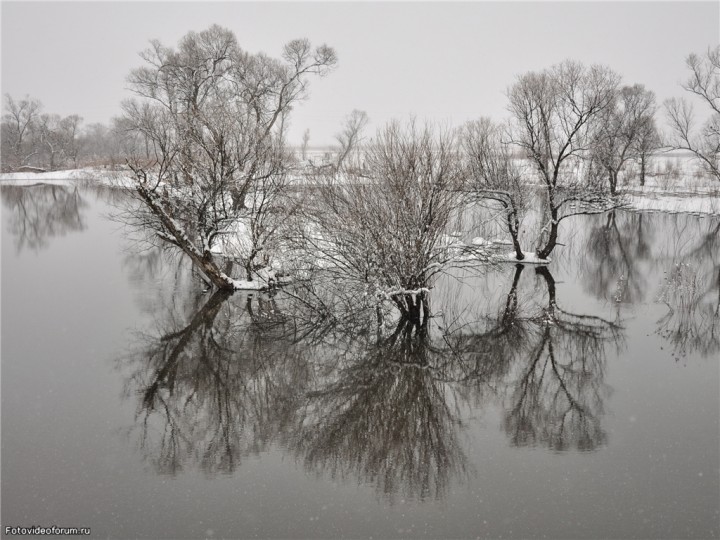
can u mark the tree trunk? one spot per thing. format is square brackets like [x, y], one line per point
[180, 239]
[613, 177]
[513, 226]
[642, 169]
[552, 238]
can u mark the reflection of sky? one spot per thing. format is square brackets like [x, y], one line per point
[70, 318]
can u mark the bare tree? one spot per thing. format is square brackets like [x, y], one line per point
[18, 130]
[59, 138]
[493, 175]
[351, 136]
[648, 141]
[623, 129]
[703, 82]
[52, 138]
[74, 142]
[213, 115]
[305, 142]
[555, 114]
[384, 227]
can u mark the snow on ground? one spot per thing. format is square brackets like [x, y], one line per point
[698, 205]
[72, 174]
[675, 183]
[530, 258]
[685, 194]
[104, 177]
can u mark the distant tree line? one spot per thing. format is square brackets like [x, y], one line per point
[33, 140]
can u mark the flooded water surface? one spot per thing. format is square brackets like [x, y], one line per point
[575, 400]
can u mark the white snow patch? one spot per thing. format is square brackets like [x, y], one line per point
[68, 177]
[697, 204]
[264, 278]
[480, 241]
[530, 258]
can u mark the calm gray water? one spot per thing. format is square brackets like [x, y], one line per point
[580, 401]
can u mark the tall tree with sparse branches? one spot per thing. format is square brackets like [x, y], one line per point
[494, 175]
[623, 130]
[212, 114]
[555, 116]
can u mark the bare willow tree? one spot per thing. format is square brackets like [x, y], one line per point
[213, 115]
[704, 82]
[624, 130]
[385, 226]
[494, 175]
[555, 116]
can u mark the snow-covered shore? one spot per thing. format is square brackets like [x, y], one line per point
[687, 194]
[683, 195]
[105, 177]
[699, 205]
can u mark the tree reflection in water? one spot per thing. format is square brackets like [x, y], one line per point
[618, 249]
[384, 404]
[691, 292]
[388, 417]
[40, 213]
[625, 255]
[557, 392]
[216, 388]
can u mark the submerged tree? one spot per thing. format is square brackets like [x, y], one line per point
[555, 123]
[212, 115]
[493, 174]
[385, 226]
[703, 82]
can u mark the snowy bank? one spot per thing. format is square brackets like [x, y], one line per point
[104, 177]
[699, 205]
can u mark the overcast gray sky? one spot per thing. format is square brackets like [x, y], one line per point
[441, 61]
